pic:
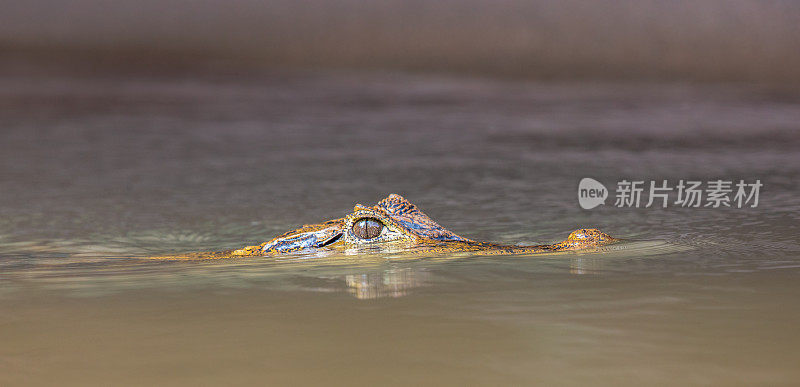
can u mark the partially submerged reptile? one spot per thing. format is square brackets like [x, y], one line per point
[394, 224]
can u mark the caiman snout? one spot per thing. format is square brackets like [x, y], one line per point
[587, 237]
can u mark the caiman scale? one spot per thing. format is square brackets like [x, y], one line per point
[394, 224]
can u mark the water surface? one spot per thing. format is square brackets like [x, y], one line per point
[101, 172]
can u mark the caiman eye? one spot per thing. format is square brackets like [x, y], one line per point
[367, 228]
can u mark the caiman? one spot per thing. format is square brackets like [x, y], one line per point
[394, 224]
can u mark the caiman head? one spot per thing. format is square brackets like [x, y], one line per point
[396, 224]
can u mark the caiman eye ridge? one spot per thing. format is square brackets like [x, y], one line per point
[367, 228]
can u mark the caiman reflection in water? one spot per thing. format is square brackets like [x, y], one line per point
[392, 283]
[395, 225]
[400, 282]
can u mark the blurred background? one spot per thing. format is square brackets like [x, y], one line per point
[133, 129]
[710, 40]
